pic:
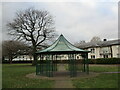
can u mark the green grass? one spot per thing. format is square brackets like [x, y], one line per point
[14, 77]
[100, 68]
[103, 68]
[101, 81]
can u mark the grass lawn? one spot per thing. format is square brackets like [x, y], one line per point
[104, 80]
[103, 68]
[14, 77]
[101, 81]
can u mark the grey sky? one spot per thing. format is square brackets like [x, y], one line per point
[75, 20]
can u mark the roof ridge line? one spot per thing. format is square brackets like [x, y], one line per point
[61, 45]
[67, 45]
[52, 44]
[57, 42]
[72, 45]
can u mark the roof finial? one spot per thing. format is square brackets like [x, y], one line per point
[61, 35]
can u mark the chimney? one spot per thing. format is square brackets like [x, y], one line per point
[104, 39]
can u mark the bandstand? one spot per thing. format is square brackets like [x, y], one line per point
[49, 58]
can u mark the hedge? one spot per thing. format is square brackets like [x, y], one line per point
[105, 61]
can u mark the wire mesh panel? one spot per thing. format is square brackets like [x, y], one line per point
[47, 64]
[87, 63]
[40, 67]
[72, 65]
[55, 62]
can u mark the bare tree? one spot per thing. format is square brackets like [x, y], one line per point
[34, 26]
[95, 39]
[77, 44]
[11, 49]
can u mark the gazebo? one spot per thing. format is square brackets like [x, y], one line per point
[48, 58]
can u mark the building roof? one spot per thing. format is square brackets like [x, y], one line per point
[61, 45]
[100, 44]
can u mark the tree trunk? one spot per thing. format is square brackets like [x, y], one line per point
[3, 58]
[35, 60]
[34, 57]
[10, 59]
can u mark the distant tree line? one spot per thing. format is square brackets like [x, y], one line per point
[93, 40]
[11, 49]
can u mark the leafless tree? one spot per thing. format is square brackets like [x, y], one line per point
[11, 49]
[95, 39]
[77, 44]
[34, 26]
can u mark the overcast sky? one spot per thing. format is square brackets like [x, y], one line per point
[75, 20]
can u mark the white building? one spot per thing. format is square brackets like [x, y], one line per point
[102, 49]
[23, 58]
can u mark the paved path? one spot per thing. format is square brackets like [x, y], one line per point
[62, 80]
[62, 77]
[63, 84]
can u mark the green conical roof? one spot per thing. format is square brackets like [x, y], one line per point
[61, 45]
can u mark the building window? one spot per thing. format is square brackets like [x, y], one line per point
[92, 50]
[118, 55]
[105, 56]
[92, 56]
[105, 50]
[77, 57]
